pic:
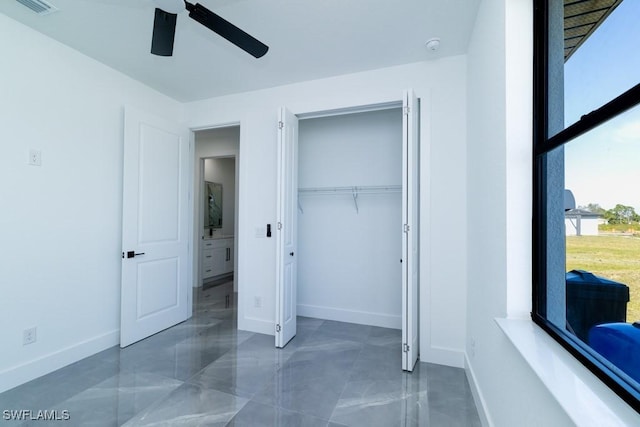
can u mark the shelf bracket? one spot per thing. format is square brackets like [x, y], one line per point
[300, 207]
[354, 193]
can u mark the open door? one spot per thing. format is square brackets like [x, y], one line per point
[410, 143]
[286, 229]
[156, 266]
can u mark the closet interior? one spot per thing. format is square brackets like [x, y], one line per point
[350, 217]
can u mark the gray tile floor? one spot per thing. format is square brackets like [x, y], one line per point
[204, 372]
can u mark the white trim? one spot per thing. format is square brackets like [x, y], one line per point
[196, 202]
[243, 324]
[215, 126]
[443, 356]
[478, 398]
[585, 399]
[351, 110]
[43, 365]
[350, 316]
[253, 324]
[191, 260]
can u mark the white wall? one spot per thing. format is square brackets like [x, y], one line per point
[499, 215]
[223, 171]
[61, 222]
[348, 264]
[217, 142]
[588, 226]
[441, 86]
[61, 229]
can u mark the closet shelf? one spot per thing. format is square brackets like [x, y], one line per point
[359, 189]
[354, 191]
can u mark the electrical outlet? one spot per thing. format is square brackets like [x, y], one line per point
[35, 157]
[257, 302]
[29, 336]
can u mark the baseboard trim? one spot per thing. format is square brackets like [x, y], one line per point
[260, 326]
[25, 372]
[442, 356]
[478, 398]
[220, 279]
[350, 316]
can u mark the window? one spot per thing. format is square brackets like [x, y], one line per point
[586, 254]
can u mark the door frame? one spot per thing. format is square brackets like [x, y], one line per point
[384, 105]
[198, 191]
[196, 219]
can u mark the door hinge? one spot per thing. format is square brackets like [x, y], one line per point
[405, 348]
[406, 110]
[279, 226]
[278, 328]
[280, 124]
[405, 228]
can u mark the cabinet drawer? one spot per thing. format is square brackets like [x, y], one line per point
[208, 244]
[207, 259]
[207, 272]
[217, 257]
[216, 243]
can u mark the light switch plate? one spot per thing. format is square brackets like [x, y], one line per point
[29, 336]
[35, 157]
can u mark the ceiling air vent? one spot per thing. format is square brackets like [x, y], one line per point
[40, 7]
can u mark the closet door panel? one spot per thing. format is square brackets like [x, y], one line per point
[286, 267]
[410, 231]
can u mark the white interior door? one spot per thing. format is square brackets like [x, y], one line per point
[156, 267]
[410, 143]
[286, 228]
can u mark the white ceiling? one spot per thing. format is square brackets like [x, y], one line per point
[307, 39]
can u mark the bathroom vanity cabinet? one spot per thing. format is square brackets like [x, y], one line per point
[217, 257]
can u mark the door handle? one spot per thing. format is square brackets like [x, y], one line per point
[131, 254]
[291, 253]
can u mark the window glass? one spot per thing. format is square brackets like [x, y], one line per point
[593, 246]
[601, 59]
[603, 231]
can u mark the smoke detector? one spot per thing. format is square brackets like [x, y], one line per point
[433, 44]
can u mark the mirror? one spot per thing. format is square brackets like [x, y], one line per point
[212, 205]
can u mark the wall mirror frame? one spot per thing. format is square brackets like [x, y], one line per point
[212, 205]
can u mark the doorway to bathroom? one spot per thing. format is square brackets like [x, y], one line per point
[215, 247]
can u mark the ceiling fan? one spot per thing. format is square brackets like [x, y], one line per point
[164, 28]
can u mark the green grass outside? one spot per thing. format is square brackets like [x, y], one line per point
[613, 257]
[619, 228]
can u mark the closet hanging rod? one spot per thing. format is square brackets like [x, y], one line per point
[353, 191]
[350, 190]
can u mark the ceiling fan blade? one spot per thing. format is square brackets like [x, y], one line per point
[226, 29]
[164, 31]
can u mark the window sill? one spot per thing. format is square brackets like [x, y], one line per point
[585, 399]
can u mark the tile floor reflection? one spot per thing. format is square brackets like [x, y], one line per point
[204, 372]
